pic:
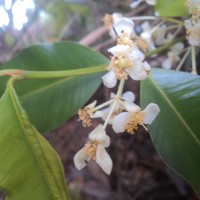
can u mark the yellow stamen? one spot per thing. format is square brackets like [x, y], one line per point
[108, 21]
[195, 17]
[125, 39]
[136, 119]
[90, 149]
[142, 44]
[84, 117]
[118, 64]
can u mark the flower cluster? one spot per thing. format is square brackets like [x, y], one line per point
[95, 150]
[127, 59]
[120, 111]
[192, 25]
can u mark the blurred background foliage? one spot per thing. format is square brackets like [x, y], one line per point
[26, 22]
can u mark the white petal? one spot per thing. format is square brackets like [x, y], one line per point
[169, 37]
[135, 3]
[99, 135]
[177, 47]
[146, 35]
[188, 24]
[101, 113]
[124, 25]
[146, 66]
[131, 107]
[167, 64]
[120, 122]
[118, 48]
[146, 26]
[109, 79]
[116, 17]
[91, 105]
[128, 96]
[98, 114]
[151, 112]
[79, 159]
[193, 41]
[103, 159]
[159, 35]
[137, 72]
[135, 53]
[112, 95]
[151, 2]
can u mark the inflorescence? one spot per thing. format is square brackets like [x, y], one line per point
[128, 61]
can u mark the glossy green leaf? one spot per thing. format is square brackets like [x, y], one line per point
[51, 102]
[176, 131]
[171, 8]
[30, 169]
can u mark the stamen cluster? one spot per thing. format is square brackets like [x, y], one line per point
[192, 25]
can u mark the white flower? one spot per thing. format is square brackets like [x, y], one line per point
[110, 21]
[84, 114]
[193, 5]
[146, 35]
[95, 150]
[159, 35]
[109, 79]
[126, 61]
[135, 3]
[132, 52]
[173, 55]
[124, 29]
[193, 32]
[124, 25]
[129, 121]
[127, 98]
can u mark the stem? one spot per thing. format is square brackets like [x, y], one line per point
[183, 59]
[176, 32]
[167, 19]
[194, 67]
[144, 18]
[120, 88]
[157, 26]
[172, 27]
[64, 73]
[54, 74]
[101, 106]
[176, 21]
[110, 114]
[164, 47]
[13, 79]
[117, 97]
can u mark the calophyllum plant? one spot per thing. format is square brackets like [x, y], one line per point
[168, 111]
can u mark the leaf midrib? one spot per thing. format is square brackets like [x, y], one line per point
[174, 109]
[40, 89]
[30, 145]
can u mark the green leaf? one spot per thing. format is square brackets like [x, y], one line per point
[171, 8]
[176, 130]
[30, 168]
[51, 102]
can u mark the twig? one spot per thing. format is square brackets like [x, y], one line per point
[93, 36]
